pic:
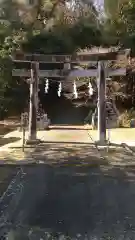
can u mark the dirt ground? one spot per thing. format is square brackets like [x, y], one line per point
[80, 195]
[71, 191]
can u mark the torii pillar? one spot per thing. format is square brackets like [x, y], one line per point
[101, 103]
[32, 131]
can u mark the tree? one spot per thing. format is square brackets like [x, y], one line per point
[121, 27]
[51, 27]
[112, 7]
[64, 28]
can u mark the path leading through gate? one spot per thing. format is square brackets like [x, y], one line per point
[65, 134]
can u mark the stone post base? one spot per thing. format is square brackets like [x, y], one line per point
[32, 141]
[102, 143]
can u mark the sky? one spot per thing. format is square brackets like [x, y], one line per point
[99, 2]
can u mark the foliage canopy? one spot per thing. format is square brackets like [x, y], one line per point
[58, 27]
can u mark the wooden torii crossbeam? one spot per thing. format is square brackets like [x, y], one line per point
[101, 72]
[72, 74]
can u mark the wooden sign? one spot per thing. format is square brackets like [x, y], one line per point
[24, 119]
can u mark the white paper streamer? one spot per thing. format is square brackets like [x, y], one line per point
[75, 90]
[59, 89]
[90, 89]
[46, 86]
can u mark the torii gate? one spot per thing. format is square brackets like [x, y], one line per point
[101, 73]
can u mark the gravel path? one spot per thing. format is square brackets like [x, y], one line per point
[78, 195]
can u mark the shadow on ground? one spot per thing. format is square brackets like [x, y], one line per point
[7, 172]
[4, 141]
[77, 194]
